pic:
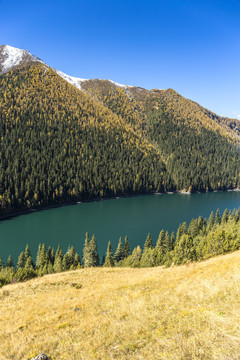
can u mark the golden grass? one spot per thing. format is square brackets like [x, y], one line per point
[187, 312]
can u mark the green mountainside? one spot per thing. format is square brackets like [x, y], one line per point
[60, 144]
[199, 148]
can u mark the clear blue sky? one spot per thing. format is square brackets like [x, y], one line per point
[188, 45]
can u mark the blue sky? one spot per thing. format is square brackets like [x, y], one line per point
[188, 45]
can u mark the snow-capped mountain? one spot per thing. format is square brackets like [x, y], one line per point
[11, 57]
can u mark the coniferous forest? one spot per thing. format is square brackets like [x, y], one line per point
[62, 145]
[202, 239]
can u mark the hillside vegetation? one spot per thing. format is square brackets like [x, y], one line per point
[60, 144]
[199, 148]
[179, 313]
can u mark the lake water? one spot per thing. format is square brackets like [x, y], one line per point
[108, 220]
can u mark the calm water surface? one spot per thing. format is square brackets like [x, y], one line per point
[108, 220]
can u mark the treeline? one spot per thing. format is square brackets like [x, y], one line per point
[203, 238]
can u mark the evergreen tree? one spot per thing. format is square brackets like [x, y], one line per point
[173, 239]
[160, 241]
[109, 261]
[167, 242]
[77, 260]
[86, 252]
[218, 218]
[225, 216]
[58, 266]
[184, 250]
[29, 263]
[193, 228]
[28, 258]
[136, 257]
[21, 260]
[210, 222]
[126, 248]
[200, 223]
[119, 254]
[65, 262]
[182, 229]
[148, 258]
[148, 243]
[10, 263]
[52, 256]
[94, 257]
[42, 256]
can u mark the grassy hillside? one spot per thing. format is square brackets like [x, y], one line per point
[187, 312]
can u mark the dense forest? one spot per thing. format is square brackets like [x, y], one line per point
[203, 238]
[60, 144]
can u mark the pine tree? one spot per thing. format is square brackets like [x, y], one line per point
[193, 228]
[119, 254]
[21, 260]
[29, 263]
[182, 229]
[167, 242]
[210, 221]
[173, 239]
[148, 243]
[77, 260]
[38, 257]
[86, 252]
[28, 258]
[65, 262]
[200, 222]
[10, 263]
[42, 256]
[58, 266]
[94, 257]
[160, 241]
[136, 257]
[184, 250]
[225, 216]
[218, 218]
[109, 256]
[126, 248]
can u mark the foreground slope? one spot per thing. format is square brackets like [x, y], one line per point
[186, 312]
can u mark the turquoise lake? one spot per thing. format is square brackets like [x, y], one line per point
[108, 220]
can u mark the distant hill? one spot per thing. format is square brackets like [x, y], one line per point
[65, 139]
[185, 312]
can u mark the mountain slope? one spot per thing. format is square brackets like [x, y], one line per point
[199, 148]
[185, 312]
[67, 139]
[59, 145]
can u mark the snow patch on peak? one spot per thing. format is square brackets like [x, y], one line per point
[75, 81]
[13, 57]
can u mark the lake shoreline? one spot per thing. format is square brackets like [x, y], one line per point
[54, 206]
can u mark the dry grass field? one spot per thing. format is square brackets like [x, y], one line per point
[186, 312]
